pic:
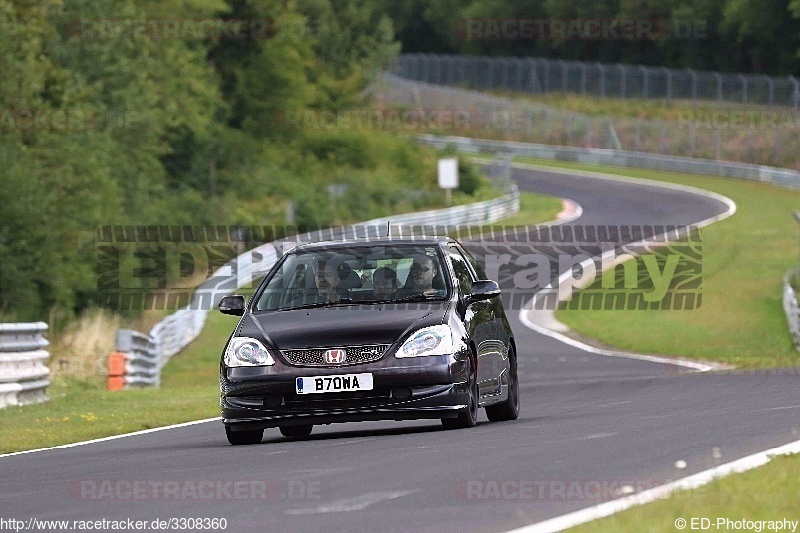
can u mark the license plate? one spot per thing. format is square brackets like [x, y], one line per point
[340, 383]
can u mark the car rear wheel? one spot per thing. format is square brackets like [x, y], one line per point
[468, 417]
[297, 431]
[508, 409]
[238, 438]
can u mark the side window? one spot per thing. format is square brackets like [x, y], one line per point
[461, 269]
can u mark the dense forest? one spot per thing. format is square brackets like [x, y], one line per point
[761, 36]
[173, 112]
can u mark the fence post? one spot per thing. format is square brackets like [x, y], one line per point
[645, 80]
[622, 80]
[583, 78]
[771, 90]
[546, 70]
[795, 91]
[719, 86]
[602, 70]
[669, 83]
[744, 88]
[693, 75]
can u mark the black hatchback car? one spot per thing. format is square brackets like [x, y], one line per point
[393, 329]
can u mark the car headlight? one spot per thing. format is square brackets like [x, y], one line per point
[246, 351]
[434, 340]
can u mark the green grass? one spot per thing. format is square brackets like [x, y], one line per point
[638, 108]
[744, 258]
[765, 493]
[533, 209]
[82, 409]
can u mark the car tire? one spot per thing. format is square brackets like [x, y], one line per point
[508, 409]
[239, 438]
[468, 417]
[296, 431]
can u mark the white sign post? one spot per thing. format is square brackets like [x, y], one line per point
[448, 176]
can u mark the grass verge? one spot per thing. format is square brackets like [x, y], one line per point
[82, 409]
[674, 110]
[744, 258]
[765, 493]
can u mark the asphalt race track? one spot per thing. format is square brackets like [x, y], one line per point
[591, 428]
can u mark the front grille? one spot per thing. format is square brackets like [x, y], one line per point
[355, 355]
[346, 400]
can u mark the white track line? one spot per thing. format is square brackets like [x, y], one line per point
[531, 305]
[114, 437]
[657, 493]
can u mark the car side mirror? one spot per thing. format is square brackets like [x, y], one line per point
[483, 290]
[232, 305]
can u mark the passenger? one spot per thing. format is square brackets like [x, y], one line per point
[384, 283]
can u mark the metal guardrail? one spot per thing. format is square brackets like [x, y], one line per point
[777, 176]
[146, 355]
[790, 306]
[478, 213]
[23, 373]
[142, 360]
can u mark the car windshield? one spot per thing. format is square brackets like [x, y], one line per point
[353, 275]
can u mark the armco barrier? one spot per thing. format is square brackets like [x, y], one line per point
[23, 374]
[142, 361]
[790, 306]
[622, 158]
[145, 355]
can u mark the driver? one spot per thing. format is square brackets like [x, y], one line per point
[327, 281]
[423, 270]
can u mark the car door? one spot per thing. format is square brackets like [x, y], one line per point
[479, 321]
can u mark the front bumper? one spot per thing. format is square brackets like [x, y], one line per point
[404, 390]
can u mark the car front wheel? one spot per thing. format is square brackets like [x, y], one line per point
[508, 409]
[468, 417]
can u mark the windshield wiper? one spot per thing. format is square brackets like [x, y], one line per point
[418, 298]
[411, 298]
[340, 301]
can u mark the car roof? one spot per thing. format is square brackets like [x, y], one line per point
[380, 241]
